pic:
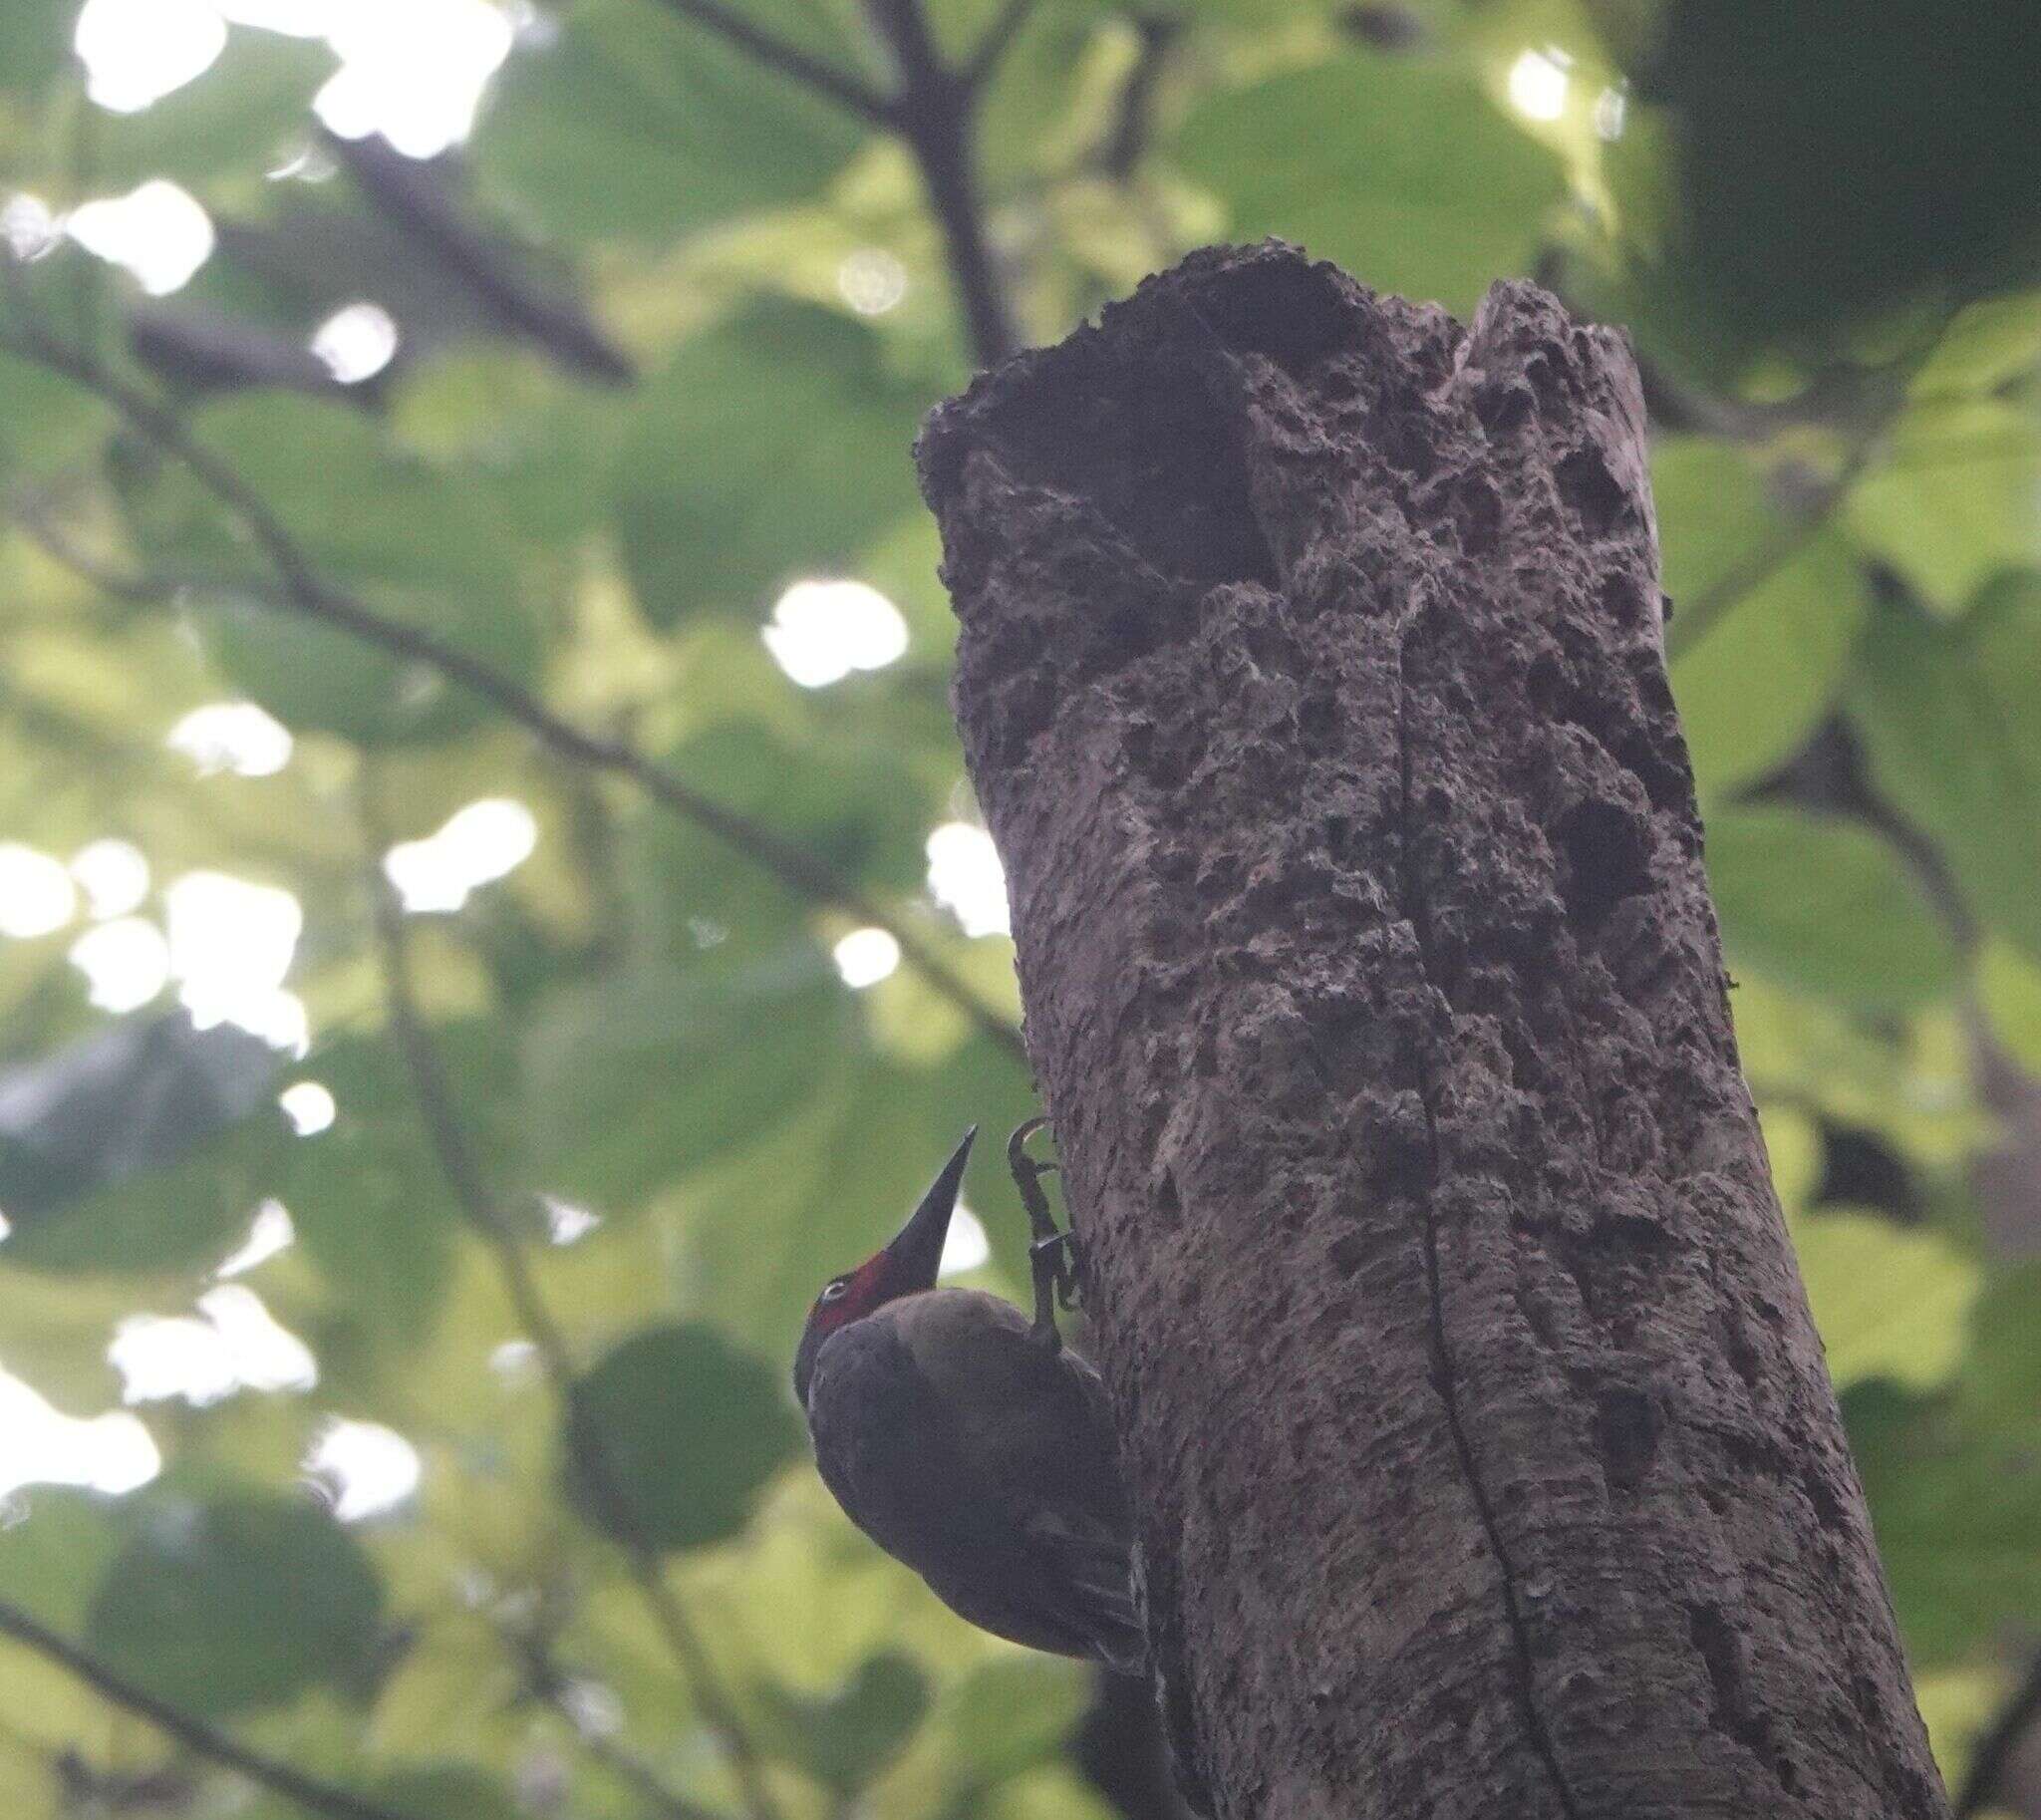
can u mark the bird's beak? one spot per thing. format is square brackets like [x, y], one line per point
[917, 1252]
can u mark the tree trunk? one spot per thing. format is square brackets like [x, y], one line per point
[1312, 677]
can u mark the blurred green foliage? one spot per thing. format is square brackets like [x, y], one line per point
[642, 1025]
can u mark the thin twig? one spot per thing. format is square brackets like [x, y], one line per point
[304, 592]
[981, 65]
[419, 203]
[585, 1443]
[933, 112]
[41, 529]
[315, 1797]
[638, 1775]
[1994, 1750]
[547, 1683]
[1134, 112]
[1698, 617]
[789, 60]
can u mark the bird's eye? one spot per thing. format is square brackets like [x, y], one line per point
[834, 1289]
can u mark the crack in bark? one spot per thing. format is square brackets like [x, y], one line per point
[1411, 903]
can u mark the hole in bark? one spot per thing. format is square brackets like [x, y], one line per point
[1743, 1357]
[1157, 759]
[1544, 682]
[1622, 600]
[1585, 484]
[1477, 517]
[1348, 1254]
[1317, 716]
[1756, 1455]
[1546, 384]
[1721, 1652]
[1665, 779]
[1296, 314]
[1150, 448]
[1828, 1508]
[1405, 445]
[1168, 1202]
[1504, 408]
[1626, 1434]
[1339, 384]
[1605, 847]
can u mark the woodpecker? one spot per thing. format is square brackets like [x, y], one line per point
[972, 1447]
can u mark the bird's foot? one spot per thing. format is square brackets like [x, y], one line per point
[1055, 1256]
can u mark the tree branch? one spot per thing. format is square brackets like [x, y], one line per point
[1133, 119]
[315, 1797]
[305, 591]
[1995, 1749]
[549, 1683]
[417, 198]
[1696, 618]
[41, 529]
[933, 112]
[980, 66]
[585, 1443]
[789, 60]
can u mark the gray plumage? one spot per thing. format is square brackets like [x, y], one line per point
[984, 1461]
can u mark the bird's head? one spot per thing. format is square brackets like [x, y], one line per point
[902, 1267]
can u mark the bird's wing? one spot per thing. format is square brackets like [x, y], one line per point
[1020, 1526]
[980, 1354]
[1088, 1592]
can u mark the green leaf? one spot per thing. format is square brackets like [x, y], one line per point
[845, 796]
[1957, 496]
[1985, 345]
[1955, 1482]
[631, 124]
[444, 1791]
[243, 116]
[772, 448]
[54, 1551]
[424, 546]
[429, 1789]
[1399, 170]
[2007, 989]
[1827, 905]
[1010, 1714]
[1053, 1792]
[235, 1602]
[1950, 720]
[831, 1187]
[689, 1428]
[47, 423]
[143, 1146]
[185, 1213]
[844, 1738]
[1762, 675]
[1890, 1300]
[367, 1195]
[35, 45]
[1945, 188]
[367, 508]
[316, 678]
[643, 1076]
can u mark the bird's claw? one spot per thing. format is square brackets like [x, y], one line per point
[1063, 1257]
[1054, 1256]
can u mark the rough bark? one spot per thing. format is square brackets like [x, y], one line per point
[1311, 679]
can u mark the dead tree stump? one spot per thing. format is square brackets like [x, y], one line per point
[1312, 677]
